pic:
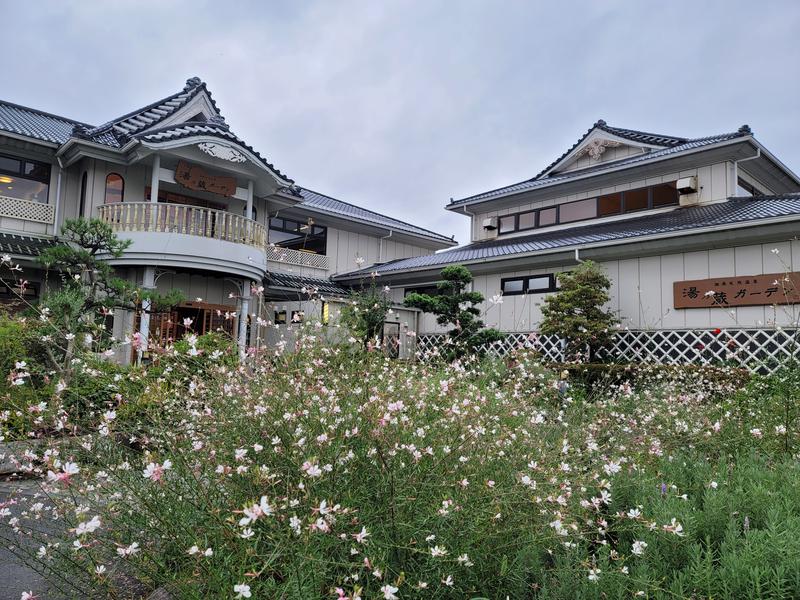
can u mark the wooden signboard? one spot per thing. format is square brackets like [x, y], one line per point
[740, 290]
[195, 178]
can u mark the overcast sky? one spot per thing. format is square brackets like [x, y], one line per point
[398, 106]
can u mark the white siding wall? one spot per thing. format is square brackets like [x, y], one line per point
[641, 291]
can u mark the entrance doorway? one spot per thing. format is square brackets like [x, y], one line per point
[169, 326]
[391, 339]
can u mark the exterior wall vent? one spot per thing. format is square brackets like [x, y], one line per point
[687, 185]
[490, 223]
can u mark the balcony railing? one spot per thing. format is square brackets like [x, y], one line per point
[26, 210]
[185, 219]
[290, 256]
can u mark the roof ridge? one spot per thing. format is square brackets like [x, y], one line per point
[439, 235]
[193, 86]
[44, 113]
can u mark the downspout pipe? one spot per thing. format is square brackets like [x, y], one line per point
[380, 246]
[741, 160]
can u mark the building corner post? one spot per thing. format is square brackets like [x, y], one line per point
[244, 310]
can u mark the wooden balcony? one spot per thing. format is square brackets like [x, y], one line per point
[289, 256]
[183, 219]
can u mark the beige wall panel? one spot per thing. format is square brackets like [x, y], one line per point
[628, 294]
[749, 261]
[696, 267]
[651, 313]
[672, 269]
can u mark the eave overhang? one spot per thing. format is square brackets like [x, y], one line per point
[704, 238]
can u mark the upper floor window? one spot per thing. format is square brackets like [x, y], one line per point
[655, 196]
[298, 235]
[115, 188]
[24, 179]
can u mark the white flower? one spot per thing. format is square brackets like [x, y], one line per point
[634, 513]
[361, 536]
[100, 569]
[88, 526]
[464, 560]
[594, 575]
[437, 551]
[639, 547]
[242, 590]
[756, 432]
[780, 429]
[129, 551]
[389, 590]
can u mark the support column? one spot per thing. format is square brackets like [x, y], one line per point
[154, 179]
[148, 283]
[244, 310]
[249, 210]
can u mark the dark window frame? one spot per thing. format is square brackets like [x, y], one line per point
[551, 287]
[21, 173]
[306, 234]
[623, 210]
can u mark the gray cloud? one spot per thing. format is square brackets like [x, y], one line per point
[398, 106]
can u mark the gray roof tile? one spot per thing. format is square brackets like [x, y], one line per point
[327, 204]
[35, 123]
[193, 128]
[23, 245]
[733, 211]
[671, 145]
[296, 282]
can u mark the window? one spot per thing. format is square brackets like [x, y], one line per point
[429, 290]
[24, 179]
[664, 194]
[548, 216]
[610, 204]
[527, 220]
[298, 235]
[82, 203]
[508, 223]
[656, 196]
[636, 200]
[115, 188]
[577, 211]
[298, 316]
[534, 284]
[280, 317]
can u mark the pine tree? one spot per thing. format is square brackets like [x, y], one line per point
[457, 308]
[576, 312]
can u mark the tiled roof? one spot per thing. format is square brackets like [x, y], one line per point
[744, 211]
[35, 123]
[23, 245]
[117, 131]
[670, 145]
[193, 128]
[296, 282]
[327, 204]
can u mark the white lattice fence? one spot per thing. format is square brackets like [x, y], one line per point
[757, 349]
[26, 210]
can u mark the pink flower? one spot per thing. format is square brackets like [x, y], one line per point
[155, 472]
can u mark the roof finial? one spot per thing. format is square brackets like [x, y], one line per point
[745, 129]
[600, 123]
[218, 120]
[193, 82]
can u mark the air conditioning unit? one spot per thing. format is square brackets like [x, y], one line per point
[490, 223]
[687, 185]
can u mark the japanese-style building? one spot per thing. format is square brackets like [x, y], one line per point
[205, 212]
[696, 235]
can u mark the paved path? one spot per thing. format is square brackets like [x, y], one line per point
[15, 576]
